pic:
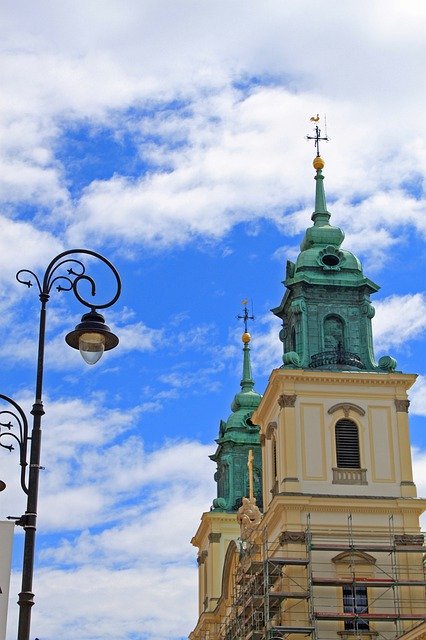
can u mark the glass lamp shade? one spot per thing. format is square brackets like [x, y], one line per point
[92, 337]
[91, 347]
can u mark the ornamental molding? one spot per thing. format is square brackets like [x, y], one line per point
[287, 401]
[346, 407]
[295, 537]
[202, 557]
[402, 405]
[215, 537]
[353, 556]
[270, 430]
[406, 539]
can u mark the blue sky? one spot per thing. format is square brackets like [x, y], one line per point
[169, 136]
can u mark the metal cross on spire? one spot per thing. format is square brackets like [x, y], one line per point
[246, 317]
[317, 137]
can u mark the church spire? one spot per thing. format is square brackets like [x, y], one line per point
[237, 436]
[247, 382]
[320, 215]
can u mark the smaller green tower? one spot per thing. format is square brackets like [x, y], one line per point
[326, 310]
[236, 437]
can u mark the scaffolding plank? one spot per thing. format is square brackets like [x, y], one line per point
[370, 582]
[302, 630]
[282, 595]
[368, 547]
[339, 615]
[285, 561]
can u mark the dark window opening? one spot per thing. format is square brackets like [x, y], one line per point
[330, 260]
[334, 334]
[355, 601]
[347, 445]
[274, 460]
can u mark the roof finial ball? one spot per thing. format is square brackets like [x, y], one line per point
[246, 337]
[318, 163]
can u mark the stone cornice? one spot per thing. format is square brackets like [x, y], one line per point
[210, 522]
[301, 381]
[341, 504]
[344, 377]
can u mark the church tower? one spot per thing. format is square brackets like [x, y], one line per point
[219, 527]
[338, 553]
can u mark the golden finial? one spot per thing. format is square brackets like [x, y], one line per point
[315, 118]
[250, 470]
[318, 163]
[246, 337]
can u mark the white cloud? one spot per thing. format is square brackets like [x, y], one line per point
[419, 475]
[388, 330]
[150, 603]
[33, 245]
[267, 349]
[418, 398]
[232, 161]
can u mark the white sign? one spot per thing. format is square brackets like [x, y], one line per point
[6, 540]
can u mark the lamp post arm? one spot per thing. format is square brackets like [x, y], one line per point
[20, 422]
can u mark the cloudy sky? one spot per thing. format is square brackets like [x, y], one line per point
[169, 136]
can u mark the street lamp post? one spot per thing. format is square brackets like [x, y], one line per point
[92, 337]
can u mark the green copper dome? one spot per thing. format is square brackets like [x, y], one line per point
[326, 310]
[236, 437]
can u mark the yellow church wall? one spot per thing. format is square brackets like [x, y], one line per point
[212, 539]
[381, 430]
[309, 405]
[313, 442]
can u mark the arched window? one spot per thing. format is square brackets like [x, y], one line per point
[347, 445]
[334, 337]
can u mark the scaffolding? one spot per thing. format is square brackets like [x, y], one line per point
[305, 584]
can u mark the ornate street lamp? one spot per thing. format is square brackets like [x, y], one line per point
[92, 337]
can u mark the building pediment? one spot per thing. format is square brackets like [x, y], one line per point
[353, 557]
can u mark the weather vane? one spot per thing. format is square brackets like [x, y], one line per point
[317, 137]
[246, 316]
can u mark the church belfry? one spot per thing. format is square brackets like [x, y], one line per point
[326, 310]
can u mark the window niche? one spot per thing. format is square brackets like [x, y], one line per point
[334, 333]
[348, 457]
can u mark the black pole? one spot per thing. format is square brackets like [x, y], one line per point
[29, 519]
